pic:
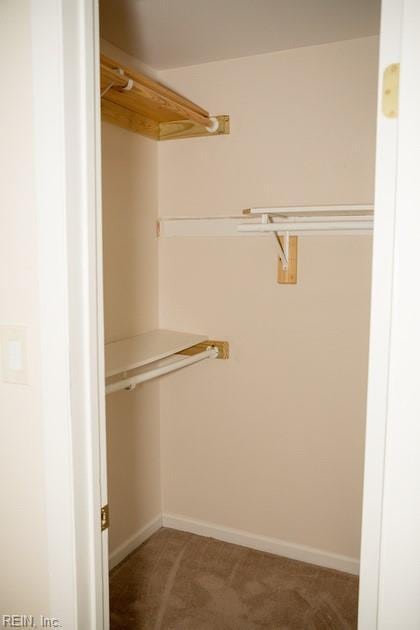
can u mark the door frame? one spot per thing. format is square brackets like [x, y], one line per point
[390, 554]
[65, 36]
[66, 105]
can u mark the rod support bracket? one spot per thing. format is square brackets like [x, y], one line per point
[214, 125]
[282, 247]
[130, 82]
[222, 348]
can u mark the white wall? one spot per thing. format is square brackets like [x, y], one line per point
[23, 545]
[271, 441]
[129, 164]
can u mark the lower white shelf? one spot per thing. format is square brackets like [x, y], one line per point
[134, 352]
[138, 359]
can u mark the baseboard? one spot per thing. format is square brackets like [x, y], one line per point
[262, 543]
[237, 537]
[134, 541]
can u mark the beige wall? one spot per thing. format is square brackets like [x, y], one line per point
[129, 164]
[23, 544]
[271, 441]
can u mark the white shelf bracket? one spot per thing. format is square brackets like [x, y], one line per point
[282, 248]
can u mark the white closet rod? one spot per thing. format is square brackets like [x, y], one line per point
[297, 220]
[331, 210]
[131, 382]
[354, 225]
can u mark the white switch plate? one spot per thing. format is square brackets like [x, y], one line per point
[13, 354]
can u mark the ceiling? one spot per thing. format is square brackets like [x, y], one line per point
[172, 33]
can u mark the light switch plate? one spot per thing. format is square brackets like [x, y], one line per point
[14, 363]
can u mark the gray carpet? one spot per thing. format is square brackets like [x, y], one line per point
[179, 581]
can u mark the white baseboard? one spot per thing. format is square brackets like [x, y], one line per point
[263, 543]
[238, 537]
[134, 541]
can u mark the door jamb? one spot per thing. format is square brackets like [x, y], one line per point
[390, 557]
[65, 37]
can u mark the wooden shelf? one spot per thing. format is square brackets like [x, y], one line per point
[135, 352]
[140, 104]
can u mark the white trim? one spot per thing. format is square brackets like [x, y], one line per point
[380, 326]
[47, 51]
[123, 550]
[262, 543]
[237, 537]
[98, 314]
[399, 581]
[63, 43]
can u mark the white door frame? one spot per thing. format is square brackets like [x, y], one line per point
[65, 41]
[381, 308]
[390, 558]
[65, 68]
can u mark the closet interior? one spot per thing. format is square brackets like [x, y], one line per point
[237, 225]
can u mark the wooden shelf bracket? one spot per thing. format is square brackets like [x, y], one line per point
[222, 348]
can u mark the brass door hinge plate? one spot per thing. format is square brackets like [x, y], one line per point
[390, 90]
[104, 517]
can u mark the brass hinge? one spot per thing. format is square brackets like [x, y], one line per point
[390, 90]
[104, 517]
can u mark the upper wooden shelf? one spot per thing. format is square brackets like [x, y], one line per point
[140, 104]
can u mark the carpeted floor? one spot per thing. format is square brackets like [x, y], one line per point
[179, 581]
